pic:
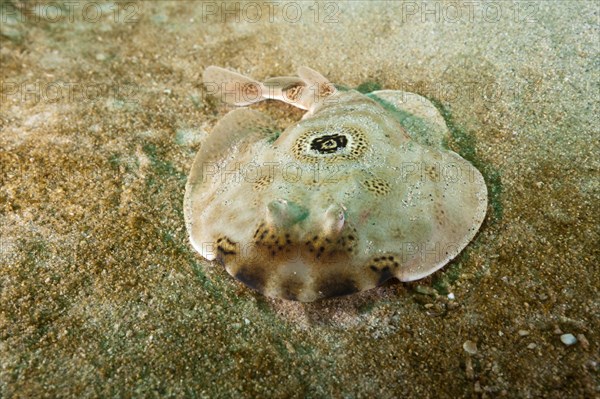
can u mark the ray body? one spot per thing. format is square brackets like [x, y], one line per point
[340, 201]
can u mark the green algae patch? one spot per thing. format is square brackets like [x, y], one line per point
[162, 169]
[341, 87]
[368, 87]
[274, 136]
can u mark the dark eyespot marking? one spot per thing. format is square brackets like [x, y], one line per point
[345, 143]
[329, 143]
[251, 276]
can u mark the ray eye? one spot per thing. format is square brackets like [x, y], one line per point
[329, 143]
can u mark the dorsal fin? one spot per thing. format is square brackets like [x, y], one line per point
[232, 87]
[284, 82]
[289, 89]
[311, 77]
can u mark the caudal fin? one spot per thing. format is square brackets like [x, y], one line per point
[307, 91]
[319, 84]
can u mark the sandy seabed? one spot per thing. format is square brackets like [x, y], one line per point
[103, 110]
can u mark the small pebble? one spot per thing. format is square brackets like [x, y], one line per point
[585, 344]
[451, 296]
[523, 333]
[421, 289]
[568, 339]
[558, 331]
[289, 347]
[470, 347]
[469, 368]
[531, 346]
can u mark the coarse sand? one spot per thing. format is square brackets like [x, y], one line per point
[103, 110]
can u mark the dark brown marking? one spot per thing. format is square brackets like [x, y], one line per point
[250, 89]
[337, 286]
[293, 92]
[224, 251]
[385, 275]
[291, 288]
[251, 276]
[325, 89]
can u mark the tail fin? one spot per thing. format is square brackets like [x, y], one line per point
[231, 87]
[319, 84]
[306, 92]
[318, 89]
